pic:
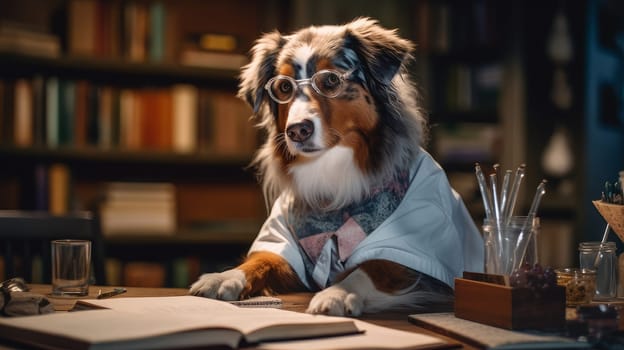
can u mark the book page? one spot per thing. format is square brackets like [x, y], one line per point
[257, 324]
[373, 337]
[64, 330]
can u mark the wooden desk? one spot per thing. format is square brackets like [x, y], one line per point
[294, 302]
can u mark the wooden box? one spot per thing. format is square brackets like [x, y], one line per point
[510, 308]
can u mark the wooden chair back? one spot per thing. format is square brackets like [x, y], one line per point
[25, 238]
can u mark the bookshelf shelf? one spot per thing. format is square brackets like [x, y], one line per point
[185, 237]
[140, 157]
[92, 164]
[474, 115]
[116, 71]
[468, 55]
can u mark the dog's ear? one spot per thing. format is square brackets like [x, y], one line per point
[261, 68]
[380, 50]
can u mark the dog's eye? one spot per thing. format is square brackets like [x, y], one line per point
[329, 83]
[281, 88]
[284, 87]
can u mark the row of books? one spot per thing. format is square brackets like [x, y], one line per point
[124, 207]
[455, 26]
[133, 30]
[124, 30]
[145, 32]
[466, 143]
[469, 87]
[178, 272]
[51, 190]
[56, 112]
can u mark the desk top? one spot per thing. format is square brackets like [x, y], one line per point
[294, 302]
[297, 302]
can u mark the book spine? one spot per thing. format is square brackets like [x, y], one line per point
[59, 187]
[105, 117]
[93, 120]
[127, 116]
[185, 104]
[82, 20]
[2, 106]
[42, 200]
[67, 102]
[157, 21]
[52, 112]
[39, 111]
[80, 113]
[23, 113]
[135, 31]
[8, 98]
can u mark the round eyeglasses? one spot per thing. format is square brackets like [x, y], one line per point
[327, 82]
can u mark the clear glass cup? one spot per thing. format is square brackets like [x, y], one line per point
[71, 263]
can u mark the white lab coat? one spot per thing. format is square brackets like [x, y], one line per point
[430, 231]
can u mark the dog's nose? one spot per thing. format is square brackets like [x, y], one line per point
[300, 132]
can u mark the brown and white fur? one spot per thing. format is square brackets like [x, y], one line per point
[357, 140]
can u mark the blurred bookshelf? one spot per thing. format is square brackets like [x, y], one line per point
[14, 64]
[461, 58]
[482, 67]
[140, 95]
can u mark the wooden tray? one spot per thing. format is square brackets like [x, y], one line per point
[510, 308]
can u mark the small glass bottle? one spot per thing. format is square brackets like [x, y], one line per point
[580, 285]
[602, 258]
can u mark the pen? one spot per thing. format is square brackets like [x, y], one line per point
[511, 202]
[497, 213]
[504, 197]
[487, 201]
[522, 243]
[112, 293]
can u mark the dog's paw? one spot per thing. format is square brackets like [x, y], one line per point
[336, 301]
[224, 285]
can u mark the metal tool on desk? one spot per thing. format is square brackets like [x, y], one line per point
[111, 293]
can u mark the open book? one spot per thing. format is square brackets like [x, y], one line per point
[167, 322]
[188, 321]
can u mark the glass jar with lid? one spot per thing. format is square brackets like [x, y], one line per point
[602, 258]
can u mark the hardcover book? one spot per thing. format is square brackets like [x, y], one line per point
[165, 323]
[196, 322]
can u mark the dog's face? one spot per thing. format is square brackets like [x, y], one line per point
[329, 100]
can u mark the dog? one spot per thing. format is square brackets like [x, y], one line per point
[360, 213]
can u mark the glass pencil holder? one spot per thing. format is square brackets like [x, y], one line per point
[516, 244]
